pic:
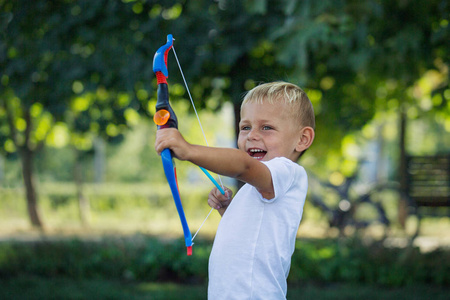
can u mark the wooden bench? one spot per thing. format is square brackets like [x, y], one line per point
[428, 185]
[428, 180]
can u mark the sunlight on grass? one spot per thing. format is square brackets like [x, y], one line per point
[114, 208]
[122, 209]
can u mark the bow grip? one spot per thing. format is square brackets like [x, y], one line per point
[160, 58]
[162, 102]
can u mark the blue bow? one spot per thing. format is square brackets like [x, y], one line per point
[165, 118]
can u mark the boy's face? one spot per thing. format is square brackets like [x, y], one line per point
[269, 130]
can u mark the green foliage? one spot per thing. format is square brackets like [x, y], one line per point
[353, 261]
[144, 258]
[69, 59]
[140, 258]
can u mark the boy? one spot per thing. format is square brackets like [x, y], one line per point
[255, 240]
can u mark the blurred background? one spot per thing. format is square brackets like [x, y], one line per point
[85, 209]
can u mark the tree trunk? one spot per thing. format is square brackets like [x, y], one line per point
[2, 168]
[380, 174]
[99, 159]
[403, 203]
[26, 153]
[83, 201]
[27, 156]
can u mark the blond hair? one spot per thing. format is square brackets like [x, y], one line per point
[272, 92]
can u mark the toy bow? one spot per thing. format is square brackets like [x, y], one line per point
[165, 118]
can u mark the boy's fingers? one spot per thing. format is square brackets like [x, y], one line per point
[228, 193]
[217, 200]
[214, 204]
[221, 198]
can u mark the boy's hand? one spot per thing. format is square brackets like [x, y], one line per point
[171, 138]
[218, 201]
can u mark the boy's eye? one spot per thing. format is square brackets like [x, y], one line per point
[266, 127]
[245, 127]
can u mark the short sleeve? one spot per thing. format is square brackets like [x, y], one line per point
[284, 172]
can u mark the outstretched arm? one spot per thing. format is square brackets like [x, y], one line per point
[225, 161]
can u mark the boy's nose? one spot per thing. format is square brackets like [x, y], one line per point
[253, 135]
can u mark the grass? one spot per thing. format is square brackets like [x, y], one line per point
[124, 208]
[64, 288]
[114, 208]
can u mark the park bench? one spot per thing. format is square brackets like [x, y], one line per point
[428, 185]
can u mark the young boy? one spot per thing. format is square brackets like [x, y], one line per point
[255, 240]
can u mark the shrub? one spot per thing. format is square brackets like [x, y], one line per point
[147, 258]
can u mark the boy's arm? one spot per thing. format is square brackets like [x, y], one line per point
[225, 161]
[234, 163]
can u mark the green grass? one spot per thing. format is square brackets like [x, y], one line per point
[64, 288]
[125, 208]
[117, 208]
[366, 292]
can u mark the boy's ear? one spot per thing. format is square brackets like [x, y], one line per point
[306, 138]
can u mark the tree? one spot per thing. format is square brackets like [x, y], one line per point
[344, 53]
[82, 63]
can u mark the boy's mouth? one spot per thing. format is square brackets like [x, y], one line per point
[256, 153]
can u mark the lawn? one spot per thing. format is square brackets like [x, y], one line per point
[64, 288]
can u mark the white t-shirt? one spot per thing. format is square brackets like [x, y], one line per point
[255, 240]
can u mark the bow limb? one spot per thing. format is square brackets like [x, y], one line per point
[171, 175]
[165, 118]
